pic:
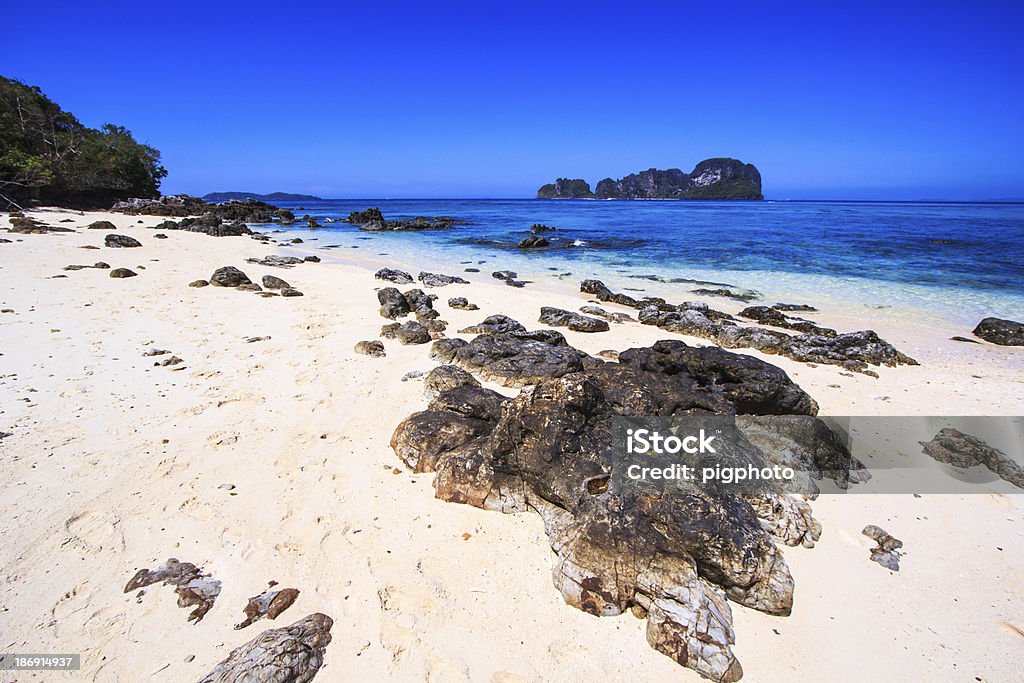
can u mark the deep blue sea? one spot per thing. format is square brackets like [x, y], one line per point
[938, 255]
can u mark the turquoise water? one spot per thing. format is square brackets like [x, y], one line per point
[958, 260]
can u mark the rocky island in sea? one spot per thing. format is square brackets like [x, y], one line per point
[718, 178]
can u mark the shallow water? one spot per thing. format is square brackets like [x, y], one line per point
[954, 261]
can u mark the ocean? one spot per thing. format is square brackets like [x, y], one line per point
[954, 261]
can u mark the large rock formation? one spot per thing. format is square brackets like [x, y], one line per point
[565, 188]
[719, 178]
[676, 555]
[1002, 332]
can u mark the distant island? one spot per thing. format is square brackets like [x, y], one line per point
[719, 178]
[272, 197]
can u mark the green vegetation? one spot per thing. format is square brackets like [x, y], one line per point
[48, 157]
[565, 188]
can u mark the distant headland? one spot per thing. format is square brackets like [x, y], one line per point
[719, 178]
[272, 197]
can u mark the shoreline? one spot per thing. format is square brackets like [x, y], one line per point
[115, 464]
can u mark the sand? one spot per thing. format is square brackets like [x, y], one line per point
[269, 460]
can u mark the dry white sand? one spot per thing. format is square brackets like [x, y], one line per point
[114, 464]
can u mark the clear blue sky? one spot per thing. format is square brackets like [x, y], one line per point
[896, 100]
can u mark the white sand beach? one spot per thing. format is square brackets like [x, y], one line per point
[269, 460]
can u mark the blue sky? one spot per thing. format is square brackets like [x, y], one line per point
[895, 100]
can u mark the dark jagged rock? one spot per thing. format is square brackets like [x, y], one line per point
[229, 276]
[411, 332]
[607, 315]
[276, 261]
[180, 206]
[269, 604]
[311, 259]
[540, 227]
[504, 274]
[565, 188]
[102, 225]
[199, 283]
[372, 220]
[290, 292]
[370, 348]
[121, 241]
[462, 304]
[159, 236]
[495, 324]
[1002, 332]
[795, 307]
[958, 338]
[513, 358]
[439, 280]
[271, 282]
[122, 273]
[674, 556]
[249, 287]
[534, 242]
[557, 317]
[393, 304]
[776, 318]
[292, 654]
[852, 350]
[445, 377]
[26, 225]
[953, 447]
[751, 385]
[399, 277]
[602, 293]
[886, 552]
[745, 297]
[369, 216]
[194, 588]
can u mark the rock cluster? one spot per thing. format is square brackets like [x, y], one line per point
[852, 350]
[676, 556]
[194, 588]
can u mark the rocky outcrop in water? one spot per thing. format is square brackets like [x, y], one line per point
[292, 654]
[675, 557]
[372, 220]
[1002, 332]
[719, 178]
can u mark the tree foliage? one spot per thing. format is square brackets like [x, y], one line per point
[47, 156]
